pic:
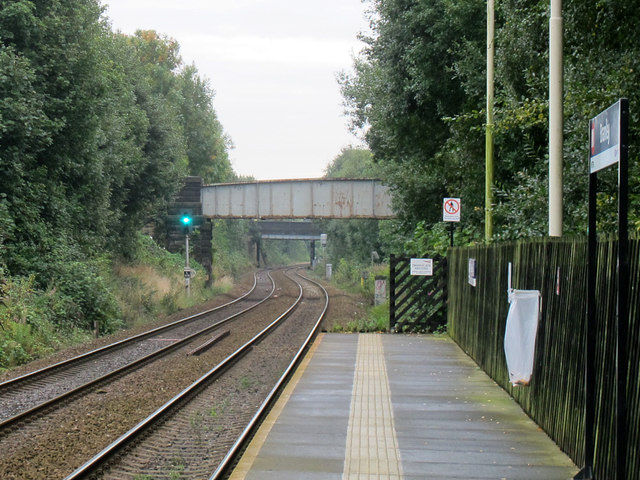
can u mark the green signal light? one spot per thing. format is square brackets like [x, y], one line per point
[186, 220]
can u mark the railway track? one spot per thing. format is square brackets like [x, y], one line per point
[31, 394]
[198, 432]
[59, 439]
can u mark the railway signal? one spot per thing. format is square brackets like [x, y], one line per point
[187, 222]
[186, 219]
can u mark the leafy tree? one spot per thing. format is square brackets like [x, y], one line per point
[96, 132]
[352, 163]
[155, 174]
[188, 98]
[417, 96]
[207, 144]
[50, 126]
[408, 83]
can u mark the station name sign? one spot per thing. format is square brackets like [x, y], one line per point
[604, 138]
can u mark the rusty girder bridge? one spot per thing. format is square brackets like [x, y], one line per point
[297, 199]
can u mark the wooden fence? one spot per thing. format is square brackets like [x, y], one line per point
[417, 303]
[555, 397]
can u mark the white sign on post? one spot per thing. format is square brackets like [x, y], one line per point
[451, 210]
[422, 266]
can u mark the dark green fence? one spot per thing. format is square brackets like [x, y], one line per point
[555, 397]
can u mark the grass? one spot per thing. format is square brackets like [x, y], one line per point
[145, 291]
[178, 466]
[246, 382]
[377, 320]
[219, 409]
[35, 322]
[196, 421]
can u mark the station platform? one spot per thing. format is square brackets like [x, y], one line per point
[376, 406]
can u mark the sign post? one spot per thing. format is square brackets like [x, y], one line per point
[608, 145]
[451, 213]
[187, 267]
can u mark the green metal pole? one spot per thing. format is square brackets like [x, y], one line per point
[488, 202]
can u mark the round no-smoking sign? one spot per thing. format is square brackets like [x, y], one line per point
[451, 210]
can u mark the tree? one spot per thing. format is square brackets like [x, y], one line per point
[51, 179]
[407, 83]
[97, 131]
[207, 144]
[352, 240]
[56, 121]
[187, 98]
[417, 95]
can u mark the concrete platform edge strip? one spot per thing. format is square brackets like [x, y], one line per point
[252, 451]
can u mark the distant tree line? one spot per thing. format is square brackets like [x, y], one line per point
[417, 97]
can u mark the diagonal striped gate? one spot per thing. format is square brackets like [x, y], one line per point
[417, 303]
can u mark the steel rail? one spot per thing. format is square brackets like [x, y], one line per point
[265, 407]
[99, 460]
[79, 358]
[135, 364]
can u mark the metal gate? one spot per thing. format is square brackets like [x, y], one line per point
[417, 303]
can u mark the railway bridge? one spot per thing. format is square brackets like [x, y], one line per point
[298, 199]
[285, 208]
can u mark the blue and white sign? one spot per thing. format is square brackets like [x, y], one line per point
[604, 139]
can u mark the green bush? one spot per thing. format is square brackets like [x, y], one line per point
[360, 279]
[346, 273]
[355, 277]
[17, 344]
[148, 252]
[230, 254]
[85, 293]
[33, 322]
[72, 291]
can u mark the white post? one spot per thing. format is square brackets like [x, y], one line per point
[555, 119]
[488, 202]
[187, 269]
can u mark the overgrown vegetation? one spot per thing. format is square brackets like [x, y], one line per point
[360, 280]
[153, 284]
[106, 295]
[97, 130]
[377, 320]
[416, 97]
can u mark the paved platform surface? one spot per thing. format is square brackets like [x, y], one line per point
[369, 406]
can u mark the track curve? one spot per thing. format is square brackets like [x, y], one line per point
[30, 394]
[199, 431]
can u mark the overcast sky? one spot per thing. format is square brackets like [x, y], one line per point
[272, 64]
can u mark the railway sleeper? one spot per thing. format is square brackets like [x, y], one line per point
[209, 343]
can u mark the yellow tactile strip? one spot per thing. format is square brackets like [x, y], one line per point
[372, 447]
